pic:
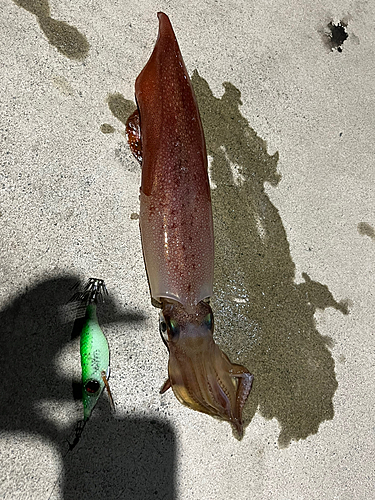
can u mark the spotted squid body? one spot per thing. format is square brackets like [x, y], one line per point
[165, 134]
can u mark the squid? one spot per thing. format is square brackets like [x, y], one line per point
[94, 348]
[165, 135]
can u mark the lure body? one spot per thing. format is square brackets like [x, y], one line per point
[165, 133]
[94, 348]
[94, 360]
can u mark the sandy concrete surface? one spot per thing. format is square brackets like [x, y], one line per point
[290, 136]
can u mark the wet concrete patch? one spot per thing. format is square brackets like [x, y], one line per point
[264, 320]
[120, 107]
[66, 38]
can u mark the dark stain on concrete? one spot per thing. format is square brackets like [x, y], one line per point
[366, 230]
[336, 34]
[264, 320]
[106, 128]
[66, 38]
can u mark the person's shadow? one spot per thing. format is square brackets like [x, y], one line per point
[116, 457]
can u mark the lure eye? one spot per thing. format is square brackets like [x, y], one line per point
[208, 321]
[92, 387]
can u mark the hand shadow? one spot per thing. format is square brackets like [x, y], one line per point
[121, 458]
[33, 333]
[264, 320]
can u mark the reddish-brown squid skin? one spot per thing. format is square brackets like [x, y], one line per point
[165, 134]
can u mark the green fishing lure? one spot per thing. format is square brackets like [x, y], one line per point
[94, 353]
[93, 347]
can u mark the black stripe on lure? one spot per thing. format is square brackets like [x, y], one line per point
[93, 346]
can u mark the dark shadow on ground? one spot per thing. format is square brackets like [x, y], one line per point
[264, 320]
[130, 458]
[116, 457]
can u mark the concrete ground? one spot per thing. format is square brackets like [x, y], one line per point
[288, 111]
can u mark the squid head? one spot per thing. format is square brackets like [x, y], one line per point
[200, 373]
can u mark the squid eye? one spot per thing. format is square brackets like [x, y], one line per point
[163, 329]
[175, 329]
[208, 321]
[92, 386]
